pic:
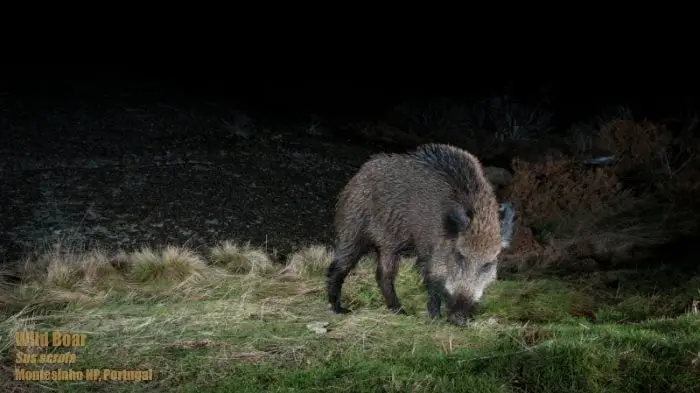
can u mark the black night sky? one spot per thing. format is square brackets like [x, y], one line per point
[656, 92]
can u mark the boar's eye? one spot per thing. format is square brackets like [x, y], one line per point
[487, 267]
[460, 258]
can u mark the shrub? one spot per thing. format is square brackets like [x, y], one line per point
[562, 195]
[636, 145]
[646, 197]
[656, 161]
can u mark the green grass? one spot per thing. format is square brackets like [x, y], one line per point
[206, 329]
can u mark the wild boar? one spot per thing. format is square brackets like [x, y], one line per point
[435, 201]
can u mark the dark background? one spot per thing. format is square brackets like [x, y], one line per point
[572, 94]
[103, 141]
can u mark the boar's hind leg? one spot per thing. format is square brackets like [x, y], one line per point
[387, 268]
[344, 260]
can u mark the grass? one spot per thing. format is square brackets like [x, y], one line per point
[231, 320]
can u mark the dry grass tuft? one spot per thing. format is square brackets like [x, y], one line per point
[173, 264]
[61, 276]
[310, 261]
[241, 259]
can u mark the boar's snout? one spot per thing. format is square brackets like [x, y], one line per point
[460, 309]
[458, 319]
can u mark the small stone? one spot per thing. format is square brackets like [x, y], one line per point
[318, 327]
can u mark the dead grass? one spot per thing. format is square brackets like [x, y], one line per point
[170, 264]
[241, 258]
[310, 261]
[61, 276]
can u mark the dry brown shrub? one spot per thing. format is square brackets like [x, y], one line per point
[647, 197]
[636, 144]
[559, 191]
[562, 203]
[680, 171]
[661, 163]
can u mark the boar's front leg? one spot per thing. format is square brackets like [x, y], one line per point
[387, 268]
[434, 297]
[432, 285]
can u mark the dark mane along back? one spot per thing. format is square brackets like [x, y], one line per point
[459, 168]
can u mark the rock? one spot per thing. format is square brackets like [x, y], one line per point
[318, 327]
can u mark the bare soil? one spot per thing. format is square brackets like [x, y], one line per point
[119, 173]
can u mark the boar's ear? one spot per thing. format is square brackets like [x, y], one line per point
[456, 220]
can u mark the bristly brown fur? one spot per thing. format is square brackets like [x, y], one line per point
[435, 200]
[464, 172]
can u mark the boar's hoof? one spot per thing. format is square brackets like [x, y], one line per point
[340, 310]
[458, 319]
[398, 311]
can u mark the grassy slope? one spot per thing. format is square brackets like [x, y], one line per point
[233, 322]
[202, 328]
